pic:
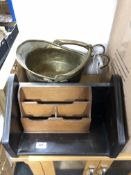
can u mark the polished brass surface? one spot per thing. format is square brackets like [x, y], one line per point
[51, 62]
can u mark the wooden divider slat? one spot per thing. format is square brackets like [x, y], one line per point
[55, 93]
[36, 109]
[73, 109]
[58, 125]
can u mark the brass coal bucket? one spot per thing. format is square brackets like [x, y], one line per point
[52, 62]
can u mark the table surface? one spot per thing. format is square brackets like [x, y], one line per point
[122, 156]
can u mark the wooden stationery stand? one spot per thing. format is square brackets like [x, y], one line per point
[107, 135]
[40, 149]
[55, 108]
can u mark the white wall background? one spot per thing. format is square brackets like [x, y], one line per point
[85, 20]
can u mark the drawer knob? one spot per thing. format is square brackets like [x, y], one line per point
[104, 171]
[91, 171]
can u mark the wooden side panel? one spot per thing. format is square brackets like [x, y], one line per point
[104, 166]
[36, 167]
[91, 166]
[2, 101]
[5, 167]
[48, 168]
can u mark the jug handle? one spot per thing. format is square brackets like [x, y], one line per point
[98, 46]
[103, 56]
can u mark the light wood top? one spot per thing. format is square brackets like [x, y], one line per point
[122, 156]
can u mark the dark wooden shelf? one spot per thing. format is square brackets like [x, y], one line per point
[7, 43]
[107, 136]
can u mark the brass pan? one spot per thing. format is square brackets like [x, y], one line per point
[52, 62]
